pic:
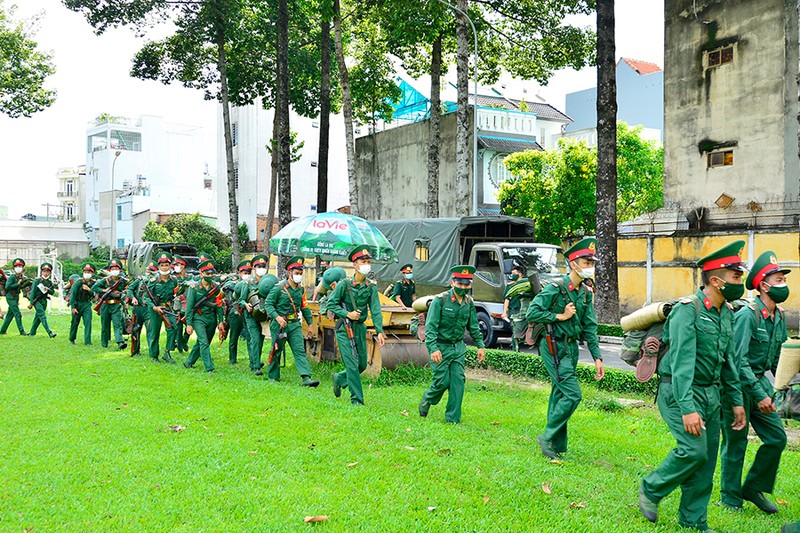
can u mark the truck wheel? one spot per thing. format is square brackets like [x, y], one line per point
[485, 325]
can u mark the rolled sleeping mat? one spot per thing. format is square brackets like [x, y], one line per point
[421, 304]
[788, 364]
[645, 317]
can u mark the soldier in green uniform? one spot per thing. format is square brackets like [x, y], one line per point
[235, 318]
[566, 309]
[450, 314]
[158, 295]
[135, 295]
[512, 305]
[110, 289]
[180, 339]
[323, 267]
[405, 291]
[759, 330]
[15, 284]
[331, 277]
[349, 302]
[701, 355]
[286, 306]
[255, 343]
[80, 303]
[203, 315]
[41, 289]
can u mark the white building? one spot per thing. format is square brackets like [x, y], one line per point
[252, 131]
[152, 165]
[71, 193]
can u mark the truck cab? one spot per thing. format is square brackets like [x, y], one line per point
[493, 263]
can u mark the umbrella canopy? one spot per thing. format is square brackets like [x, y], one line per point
[331, 236]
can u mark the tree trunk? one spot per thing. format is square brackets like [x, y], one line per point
[607, 291]
[462, 114]
[434, 130]
[233, 208]
[273, 184]
[324, 117]
[347, 107]
[282, 109]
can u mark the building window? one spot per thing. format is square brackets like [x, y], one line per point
[70, 187]
[120, 243]
[235, 133]
[126, 140]
[720, 56]
[422, 249]
[236, 175]
[70, 211]
[315, 124]
[720, 159]
[498, 172]
[314, 164]
[119, 212]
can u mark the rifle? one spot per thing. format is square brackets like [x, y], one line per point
[157, 303]
[42, 296]
[276, 347]
[136, 329]
[105, 296]
[211, 293]
[552, 346]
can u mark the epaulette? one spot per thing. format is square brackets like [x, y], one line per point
[686, 300]
[781, 309]
[730, 305]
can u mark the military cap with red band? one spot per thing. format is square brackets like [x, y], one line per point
[114, 264]
[462, 273]
[88, 267]
[164, 257]
[259, 261]
[19, 262]
[245, 265]
[295, 263]
[406, 268]
[206, 266]
[583, 248]
[178, 259]
[765, 265]
[729, 256]
[359, 252]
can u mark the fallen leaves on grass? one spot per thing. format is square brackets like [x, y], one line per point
[314, 519]
[410, 448]
[556, 462]
[632, 459]
[546, 488]
[495, 423]
[432, 508]
[404, 412]
[177, 428]
[782, 501]
[444, 451]
[577, 505]
[351, 465]
[485, 499]
[312, 446]
[252, 452]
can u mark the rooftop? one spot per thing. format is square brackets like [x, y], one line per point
[641, 67]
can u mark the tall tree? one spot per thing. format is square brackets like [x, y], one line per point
[282, 111]
[324, 107]
[347, 105]
[23, 69]
[607, 299]
[195, 55]
[463, 133]
[434, 129]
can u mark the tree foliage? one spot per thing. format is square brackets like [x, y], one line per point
[557, 188]
[191, 229]
[23, 69]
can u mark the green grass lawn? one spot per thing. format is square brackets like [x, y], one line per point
[88, 442]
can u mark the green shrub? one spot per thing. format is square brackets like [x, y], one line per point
[610, 330]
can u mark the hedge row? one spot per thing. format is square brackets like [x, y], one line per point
[530, 365]
[610, 330]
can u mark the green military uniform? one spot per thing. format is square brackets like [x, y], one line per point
[519, 323]
[758, 336]
[320, 273]
[80, 304]
[346, 297]
[14, 285]
[405, 288]
[111, 309]
[700, 357]
[159, 292]
[288, 300]
[203, 313]
[255, 343]
[180, 340]
[447, 320]
[41, 289]
[235, 318]
[141, 311]
[329, 280]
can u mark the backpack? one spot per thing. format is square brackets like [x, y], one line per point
[787, 401]
[536, 330]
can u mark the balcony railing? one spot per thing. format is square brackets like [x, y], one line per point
[67, 194]
[502, 120]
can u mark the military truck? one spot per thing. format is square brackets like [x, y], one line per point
[141, 253]
[492, 244]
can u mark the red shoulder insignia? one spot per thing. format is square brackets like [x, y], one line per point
[589, 289]
[764, 312]
[570, 286]
[707, 303]
[304, 303]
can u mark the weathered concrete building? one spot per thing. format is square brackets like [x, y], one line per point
[731, 111]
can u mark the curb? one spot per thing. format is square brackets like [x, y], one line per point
[610, 340]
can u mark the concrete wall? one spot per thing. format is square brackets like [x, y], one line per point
[750, 103]
[672, 272]
[395, 185]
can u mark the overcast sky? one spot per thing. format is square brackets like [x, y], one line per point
[93, 77]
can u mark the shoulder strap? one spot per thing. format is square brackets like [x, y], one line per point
[291, 301]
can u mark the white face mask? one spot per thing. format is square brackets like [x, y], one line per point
[364, 269]
[18, 270]
[113, 273]
[45, 274]
[247, 277]
[164, 271]
[586, 273]
[177, 269]
[87, 275]
[297, 278]
[261, 272]
[409, 276]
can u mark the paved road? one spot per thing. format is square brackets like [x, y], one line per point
[610, 354]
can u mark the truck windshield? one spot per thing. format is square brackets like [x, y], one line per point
[534, 260]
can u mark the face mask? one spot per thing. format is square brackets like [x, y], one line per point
[460, 292]
[732, 291]
[586, 273]
[778, 293]
[113, 273]
[247, 277]
[409, 276]
[364, 269]
[297, 278]
[177, 269]
[18, 270]
[87, 275]
[164, 271]
[514, 277]
[45, 274]
[261, 272]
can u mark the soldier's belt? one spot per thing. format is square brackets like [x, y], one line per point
[291, 318]
[566, 339]
[668, 379]
[112, 302]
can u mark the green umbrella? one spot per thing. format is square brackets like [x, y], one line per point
[331, 236]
